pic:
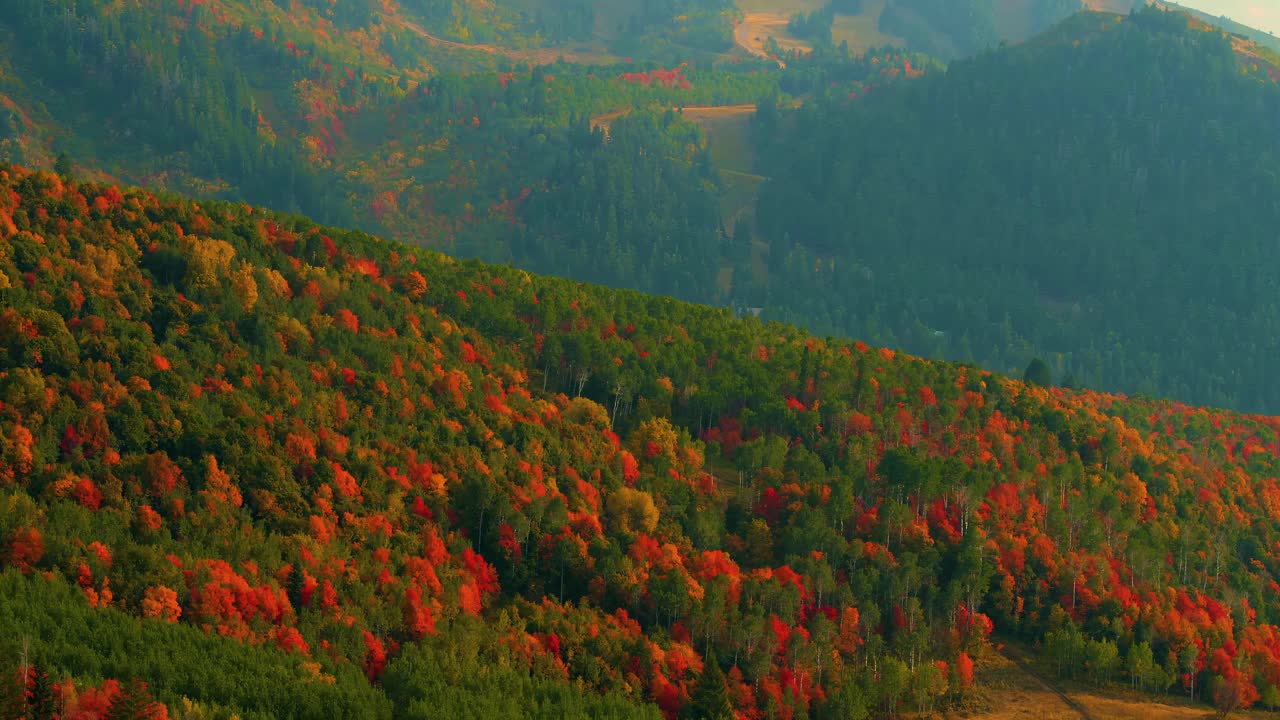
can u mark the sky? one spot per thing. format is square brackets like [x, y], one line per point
[1260, 14]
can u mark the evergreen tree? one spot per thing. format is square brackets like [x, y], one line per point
[297, 582]
[1037, 373]
[63, 165]
[40, 701]
[710, 697]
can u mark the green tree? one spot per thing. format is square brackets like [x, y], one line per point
[1139, 663]
[710, 697]
[1102, 659]
[1037, 373]
[40, 700]
[62, 165]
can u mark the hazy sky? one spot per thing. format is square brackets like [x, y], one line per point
[1261, 14]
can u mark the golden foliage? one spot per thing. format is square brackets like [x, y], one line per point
[245, 286]
[276, 283]
[207, 260]
[632, 510]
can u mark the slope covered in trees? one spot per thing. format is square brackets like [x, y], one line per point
[289, 105]
[239, 451]
[946, 29]
[1102, 197]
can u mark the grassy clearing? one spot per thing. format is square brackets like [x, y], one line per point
[1011, 691]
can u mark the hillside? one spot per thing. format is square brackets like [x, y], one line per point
[243, 452]
[1099, 197]
[296, 105]
[945, 29]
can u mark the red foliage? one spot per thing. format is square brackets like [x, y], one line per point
[418, 619]
[289, 639]
[347, 320]
[26, 547]
[375, 657]
[964, 670]
[88, 494]
[630, 468]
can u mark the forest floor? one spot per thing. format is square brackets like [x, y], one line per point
[1016, 690]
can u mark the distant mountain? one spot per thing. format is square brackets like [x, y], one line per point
[255, 467]
[1265, 39]
[1102, 196]
[950, 29]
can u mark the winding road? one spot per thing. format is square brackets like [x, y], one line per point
[540, 56]
[750, 34]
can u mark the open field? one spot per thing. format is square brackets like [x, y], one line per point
[1015, 691]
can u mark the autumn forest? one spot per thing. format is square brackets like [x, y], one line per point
[573, 360]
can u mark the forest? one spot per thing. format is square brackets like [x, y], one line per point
[591, 171]
[341, 356]
[1102, 197]
[240, 450]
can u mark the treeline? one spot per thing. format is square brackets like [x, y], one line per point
[1097, 198]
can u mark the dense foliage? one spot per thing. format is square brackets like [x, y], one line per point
[239, 451]
[1102, 197]
[339, 114]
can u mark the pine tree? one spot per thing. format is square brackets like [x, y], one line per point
[297, 584]
[40, 701]
[1037, 373]
[62, 165]
[710, 697]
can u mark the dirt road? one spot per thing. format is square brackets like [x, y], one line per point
[537, 56]
[756, 27]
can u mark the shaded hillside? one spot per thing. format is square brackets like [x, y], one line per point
[1101, 197]
[240, 451]
[952, 29]
[946, 29]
